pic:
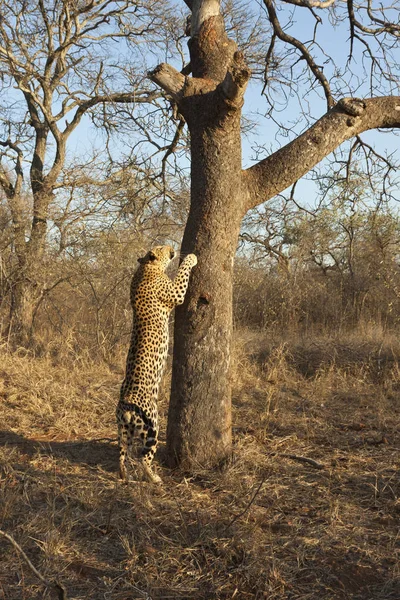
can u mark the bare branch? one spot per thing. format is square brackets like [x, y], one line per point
[304, 459]
[285, 37]
[311, 3]
[248, 505]
[9, 188]
[172, 147]
[385, 26]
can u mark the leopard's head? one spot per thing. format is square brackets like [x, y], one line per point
[159, 256]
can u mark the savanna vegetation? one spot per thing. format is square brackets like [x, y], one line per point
[307, 504]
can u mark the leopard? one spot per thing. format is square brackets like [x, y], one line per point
[153, 296]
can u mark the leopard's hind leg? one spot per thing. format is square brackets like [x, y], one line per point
[126, 432]
[131, 418]
[149, 436]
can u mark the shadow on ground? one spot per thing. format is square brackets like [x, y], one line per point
[102, 453]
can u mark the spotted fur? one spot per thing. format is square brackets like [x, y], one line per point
[153, 296]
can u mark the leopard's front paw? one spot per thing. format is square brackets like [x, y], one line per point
[191, 259]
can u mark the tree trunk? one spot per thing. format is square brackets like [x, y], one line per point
[26, 282]
[199, 421]
[21, 312]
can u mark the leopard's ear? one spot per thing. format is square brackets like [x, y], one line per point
[152, 256]
[141, 260]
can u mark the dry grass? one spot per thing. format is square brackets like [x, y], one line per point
[268, 526]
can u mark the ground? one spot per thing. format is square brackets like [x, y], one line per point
[267, 525]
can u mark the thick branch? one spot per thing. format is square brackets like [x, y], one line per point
[348, 118]
[169, 79]
[179, 86]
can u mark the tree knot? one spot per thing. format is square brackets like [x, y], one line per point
[203, 300]
[351, 106]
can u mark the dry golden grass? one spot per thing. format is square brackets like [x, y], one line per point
[267, 526]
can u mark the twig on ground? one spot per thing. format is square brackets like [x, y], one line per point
[236, 517]
[304, 459]
[61, 591]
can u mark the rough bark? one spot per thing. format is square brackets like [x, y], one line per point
[26, 280]
[202, 340]
[21, 311]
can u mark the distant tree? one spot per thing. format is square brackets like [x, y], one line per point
[211, 101]
[58, 62]
[267, 232]
[354, 238]
[334, 265]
